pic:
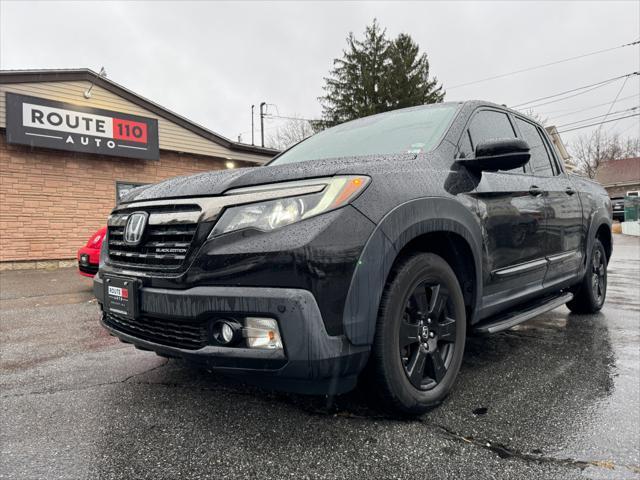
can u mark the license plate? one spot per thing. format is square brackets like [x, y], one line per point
[121, 296]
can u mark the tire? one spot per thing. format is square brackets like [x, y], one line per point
[420, 335]
[590, 295]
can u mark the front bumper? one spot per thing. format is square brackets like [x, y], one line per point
[312, 361]
[88, 261]
[318, 255]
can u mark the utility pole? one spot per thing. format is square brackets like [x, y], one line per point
[262, 114]
[252, 107]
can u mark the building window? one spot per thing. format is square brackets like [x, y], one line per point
[122, 188]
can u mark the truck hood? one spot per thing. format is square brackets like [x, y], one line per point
[219, 181]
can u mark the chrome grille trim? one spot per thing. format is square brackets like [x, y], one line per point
[117, 220]
[210, 207]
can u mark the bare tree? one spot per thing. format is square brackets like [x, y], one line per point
[289, 133]
[590, 152]
[531, 113]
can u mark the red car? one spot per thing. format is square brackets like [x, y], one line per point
[89, 255]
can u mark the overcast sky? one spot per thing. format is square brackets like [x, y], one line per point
[209, 61]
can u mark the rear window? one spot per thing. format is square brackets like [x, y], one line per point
[414, 130]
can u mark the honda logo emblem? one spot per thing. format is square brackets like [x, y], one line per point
[134, 229]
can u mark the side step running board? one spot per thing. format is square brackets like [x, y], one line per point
[504, 322]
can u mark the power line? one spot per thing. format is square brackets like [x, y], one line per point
[598, 116]
[616, 98]
[599, 123]
[594, 85]
[270, 115]
[528, 69]
[577, 94]
[573, 112]
[614, 125]
[590, 87]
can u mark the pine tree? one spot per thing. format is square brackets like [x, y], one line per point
[355, 86]
[408, 82]
[375, 75]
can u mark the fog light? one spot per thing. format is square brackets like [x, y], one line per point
[226, 332]
[262, 333]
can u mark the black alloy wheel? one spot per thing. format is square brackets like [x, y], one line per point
[427, 335]
[420, 335]
[590, 293]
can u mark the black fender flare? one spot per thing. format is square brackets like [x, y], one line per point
[397, 228]
[599, 218]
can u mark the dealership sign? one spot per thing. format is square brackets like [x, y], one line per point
[46, 123]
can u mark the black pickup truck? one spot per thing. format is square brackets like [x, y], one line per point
[371, 249]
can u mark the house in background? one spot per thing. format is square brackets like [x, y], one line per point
[557, 141]
[619, 177]
[560, 148]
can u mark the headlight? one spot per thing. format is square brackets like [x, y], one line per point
[103, 254]
[272, 214]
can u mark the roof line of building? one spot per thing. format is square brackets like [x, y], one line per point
[80, 74]
[625, 183]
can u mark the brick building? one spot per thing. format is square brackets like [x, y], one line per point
[71, 141]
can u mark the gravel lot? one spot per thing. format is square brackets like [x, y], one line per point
[557, 397]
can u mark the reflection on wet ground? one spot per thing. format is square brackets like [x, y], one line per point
[557, 397]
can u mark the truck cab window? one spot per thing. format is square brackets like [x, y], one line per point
[540, 160]
[488, 125]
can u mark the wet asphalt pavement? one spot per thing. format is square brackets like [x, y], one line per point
[557, 397]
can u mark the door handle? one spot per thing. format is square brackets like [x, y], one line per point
[569, 191]
[535, 190]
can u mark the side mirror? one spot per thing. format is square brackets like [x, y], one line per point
[500, 154]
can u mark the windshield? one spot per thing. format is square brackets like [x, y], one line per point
[414, 130]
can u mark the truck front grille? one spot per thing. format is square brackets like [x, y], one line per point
[185, 335]
[166, 241]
